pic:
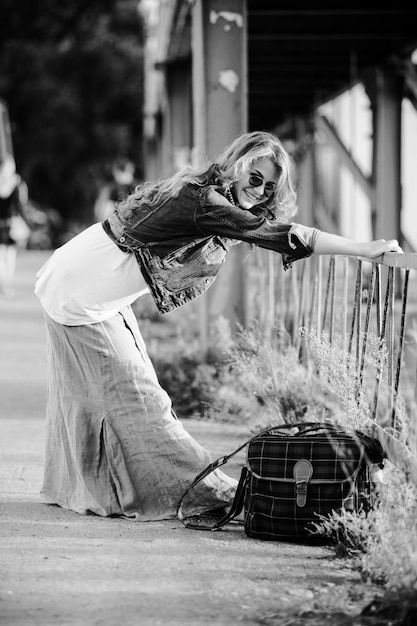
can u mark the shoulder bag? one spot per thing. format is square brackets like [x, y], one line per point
[294, 475]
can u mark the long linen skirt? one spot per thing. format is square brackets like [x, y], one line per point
[113, 446]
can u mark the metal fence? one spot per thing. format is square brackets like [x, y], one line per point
[348, 301]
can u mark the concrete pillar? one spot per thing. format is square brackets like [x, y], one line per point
[219, 73]
[305, 176]
[180, 114]
[387, 154]
[219, 46]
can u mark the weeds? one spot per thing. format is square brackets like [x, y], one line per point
[268, 384]
[386, 537]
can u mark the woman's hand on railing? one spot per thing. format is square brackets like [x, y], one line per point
[374, 249]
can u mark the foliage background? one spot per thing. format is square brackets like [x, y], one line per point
[71, 74]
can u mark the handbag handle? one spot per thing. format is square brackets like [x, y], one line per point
[373, 450]
[308, 427]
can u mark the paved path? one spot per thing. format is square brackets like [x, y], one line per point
[59, 568]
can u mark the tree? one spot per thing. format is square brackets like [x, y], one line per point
[72, 76]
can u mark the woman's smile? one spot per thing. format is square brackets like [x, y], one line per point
[257, 185]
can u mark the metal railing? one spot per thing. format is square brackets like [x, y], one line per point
[348, 301]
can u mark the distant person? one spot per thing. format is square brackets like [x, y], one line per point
[123, 179]
[13, 196]
[123, 183]
[113, 444]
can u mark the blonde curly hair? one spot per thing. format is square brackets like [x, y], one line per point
[226, 169]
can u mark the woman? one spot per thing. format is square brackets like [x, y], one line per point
[13, 195]
[113, 445]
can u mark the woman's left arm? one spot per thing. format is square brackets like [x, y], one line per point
[327, 243]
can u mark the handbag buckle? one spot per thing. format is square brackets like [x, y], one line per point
[303, 471]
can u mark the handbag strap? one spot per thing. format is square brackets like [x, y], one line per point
[214, 465]
[235, 509]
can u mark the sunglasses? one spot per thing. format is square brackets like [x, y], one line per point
[256, 181]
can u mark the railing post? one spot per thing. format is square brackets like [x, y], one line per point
[344, 301]
[400, 346]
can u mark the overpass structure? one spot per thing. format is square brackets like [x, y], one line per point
[215, 68]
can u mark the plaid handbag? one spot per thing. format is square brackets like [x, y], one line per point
[295, 474]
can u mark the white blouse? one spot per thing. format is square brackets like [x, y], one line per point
[88, 279]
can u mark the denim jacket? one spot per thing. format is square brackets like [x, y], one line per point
[181, 243]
